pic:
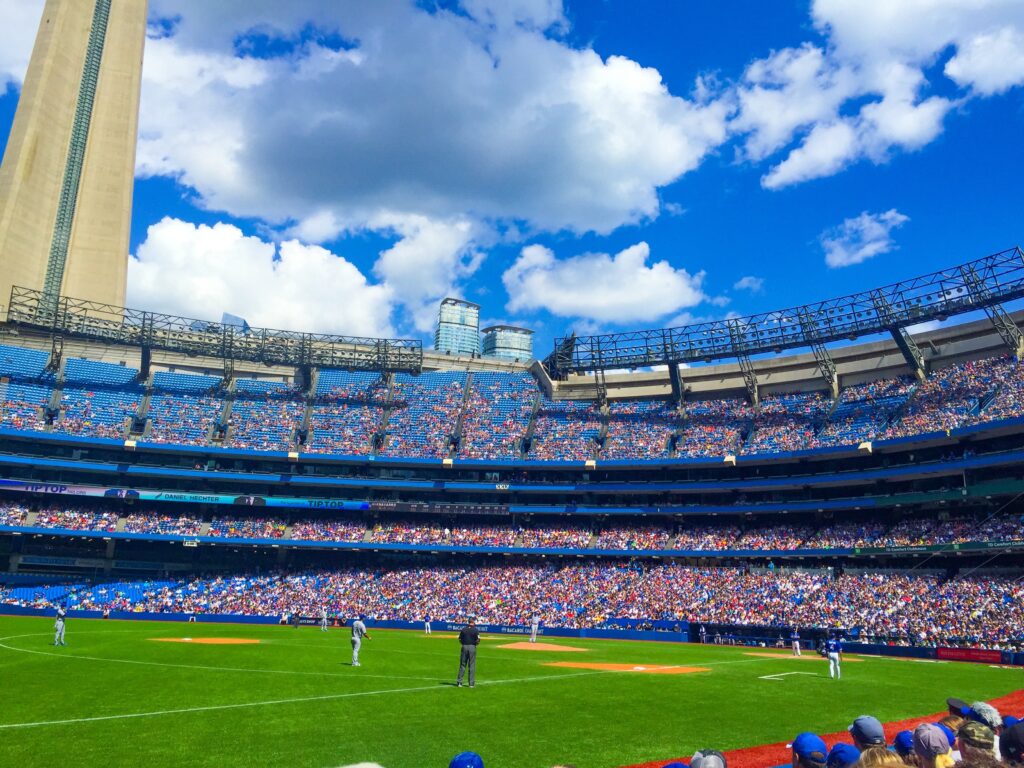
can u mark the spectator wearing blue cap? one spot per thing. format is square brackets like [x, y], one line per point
[866, 732]
[809, 751]
[903, 745]
[842, 756]
[467, 760]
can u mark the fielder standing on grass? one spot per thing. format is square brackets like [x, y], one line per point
[469, 639]
[323, 619]
[58, 626]
[358, 633]
[795, 637]
[534, 626]
[834, 649]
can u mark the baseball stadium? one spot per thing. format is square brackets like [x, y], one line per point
[788, 537]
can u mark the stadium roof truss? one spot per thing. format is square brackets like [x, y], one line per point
[78, 318]
[982, 284]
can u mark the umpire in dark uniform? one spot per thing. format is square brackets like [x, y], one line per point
[469, 639]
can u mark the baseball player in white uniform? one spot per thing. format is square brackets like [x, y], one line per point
[58, 627]
[534, 626]
[323, 619]
[358, 633]
[795, 639]
[834, 648]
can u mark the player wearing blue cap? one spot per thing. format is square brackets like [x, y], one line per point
[795, 639]
[834, 649]
[467, 760]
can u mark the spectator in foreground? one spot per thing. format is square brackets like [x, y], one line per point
[467, 760]
[708, 758]
[1011, 744]
[984, 713]
[842, 756]
[809, 751]
[976, 740]
[867, 732]
[932, 747]
[903, 745]
[879, 757]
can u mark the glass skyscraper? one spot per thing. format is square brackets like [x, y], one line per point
[507, 342]
[458, 328]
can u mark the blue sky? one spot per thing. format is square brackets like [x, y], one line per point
[585, 165]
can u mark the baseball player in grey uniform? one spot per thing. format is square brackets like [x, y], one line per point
[534, 626]
[358, 633]
[58, 627]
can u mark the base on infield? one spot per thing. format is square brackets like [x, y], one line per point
[207, 640]
[651, 669]
[524, 646]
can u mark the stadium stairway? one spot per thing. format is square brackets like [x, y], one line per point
[121, 522]
[456, 436]
[204, 529]
[530, 427]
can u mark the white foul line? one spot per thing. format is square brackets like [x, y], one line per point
[783, 674]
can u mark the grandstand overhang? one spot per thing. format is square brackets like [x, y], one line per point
[95, 321]
[976, 285]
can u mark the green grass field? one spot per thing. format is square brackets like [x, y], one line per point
[114, 697]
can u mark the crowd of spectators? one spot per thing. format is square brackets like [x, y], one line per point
[951, 397]
[629, 537]
[409, 532]
[555, 536]
[21, 405]
[424, 413]
[786, 422]
[183, 408]
[330, 529]
[1008, 402]
[157, 522]
[13, 513]
[482, 536]
[347, 412]
[863, 412]
[713, 427]
[497, 415]
[706, 537]
[81, 519]
[639, 429]
[566, 430]
[247, 528]
[904, 607]
[780, 537]
[910, 532]
[264, 415]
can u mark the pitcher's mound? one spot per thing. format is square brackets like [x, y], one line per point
[207, 640]
[543, 647]
[651, 669]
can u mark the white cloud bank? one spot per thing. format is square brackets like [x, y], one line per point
[201, 271]
[598, 287]
[861, 238]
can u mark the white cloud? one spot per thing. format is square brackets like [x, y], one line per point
[749, 283]
[428, 114]
[202, 271]
[598, 287]
[17, 34]
[863, 94]
[990, 63]
[861, 237]
[427, 263]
